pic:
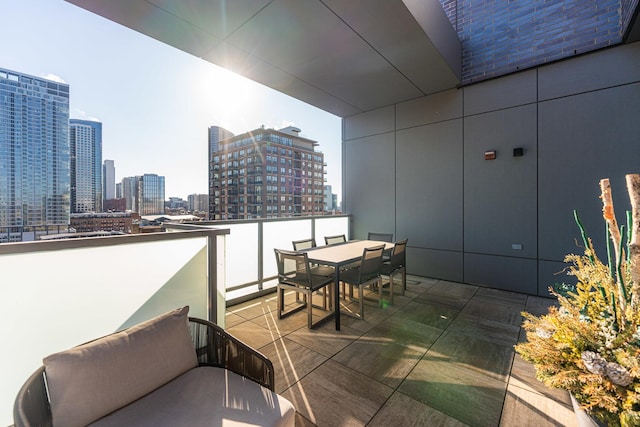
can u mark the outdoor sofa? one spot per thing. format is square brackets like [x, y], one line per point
[171, 370]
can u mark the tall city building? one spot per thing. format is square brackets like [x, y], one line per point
[85, 143]
[128, 187]
[266, 173]
[216, 134]
[198, 202]
[150, 194]
[109, 180]
[144, 194]
[34, 156]
[328, 200]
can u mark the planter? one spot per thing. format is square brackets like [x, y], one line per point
[582, 417]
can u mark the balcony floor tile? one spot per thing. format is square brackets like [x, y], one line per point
[441, 355]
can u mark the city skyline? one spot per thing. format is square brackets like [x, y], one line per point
[156, 103]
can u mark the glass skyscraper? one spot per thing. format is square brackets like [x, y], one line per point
[128, 189]
[108, 180]
[150, 194]
[144, 194]
[85, 138]
[34, 156]
[217, 134]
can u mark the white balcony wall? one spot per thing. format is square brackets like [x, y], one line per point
[331, 226]
[58, 294]
[75, 291]
[251, 266]
[242, 253]
[279, 235]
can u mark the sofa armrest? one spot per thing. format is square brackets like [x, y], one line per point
[216, 347]
[31, 407]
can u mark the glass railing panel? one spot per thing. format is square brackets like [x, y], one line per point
[331, 226]
[242, 254]
[280, 234]
[250, 267]
[72, 292]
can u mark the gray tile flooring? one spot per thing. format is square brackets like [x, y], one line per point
[441, 355]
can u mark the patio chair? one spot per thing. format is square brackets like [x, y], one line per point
[321, 270]
[295, 273]
[332, 240]
[299, 245]
[367, 273]
[396, 264]
[382, 237]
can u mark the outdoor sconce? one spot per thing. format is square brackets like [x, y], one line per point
[490, 155]
[518, 152]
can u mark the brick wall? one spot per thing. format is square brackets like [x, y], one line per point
[451, 9]
[499, 36]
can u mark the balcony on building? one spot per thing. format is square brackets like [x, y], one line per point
[423, 90]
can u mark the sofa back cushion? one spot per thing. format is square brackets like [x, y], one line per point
[94, 379]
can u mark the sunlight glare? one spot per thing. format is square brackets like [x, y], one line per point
[227, 97]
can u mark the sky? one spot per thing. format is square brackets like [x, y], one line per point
[155, 102]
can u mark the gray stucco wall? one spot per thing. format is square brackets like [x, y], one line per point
[418, 169]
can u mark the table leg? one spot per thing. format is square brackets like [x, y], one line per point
[336, 296]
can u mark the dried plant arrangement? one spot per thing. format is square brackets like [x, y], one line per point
[589, 344]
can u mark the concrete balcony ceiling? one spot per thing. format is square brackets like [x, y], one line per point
[344, 57]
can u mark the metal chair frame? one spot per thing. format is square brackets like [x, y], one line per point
[367, 273]
[295, 273]
[322, 270]
[382, 237]
[332, 240]
[397, 263]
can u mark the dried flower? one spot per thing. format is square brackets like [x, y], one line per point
[544, 333]
[589, 344]
[594, 363]
[618, 374]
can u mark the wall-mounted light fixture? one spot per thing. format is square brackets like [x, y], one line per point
[490, 155]
[518, 152]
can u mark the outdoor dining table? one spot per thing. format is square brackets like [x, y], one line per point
[338, 256]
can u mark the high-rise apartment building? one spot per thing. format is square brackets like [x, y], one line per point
[109, 180]
[128, 187]
[329, 204]
[216, 134]
[144, 194]
[34, 156]
[266, 173]
[150, 194]
[85, 143]
[198, 202]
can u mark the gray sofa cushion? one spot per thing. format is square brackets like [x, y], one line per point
[94, 379]
[205, 397]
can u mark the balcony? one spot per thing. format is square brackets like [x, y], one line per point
[119, 281]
